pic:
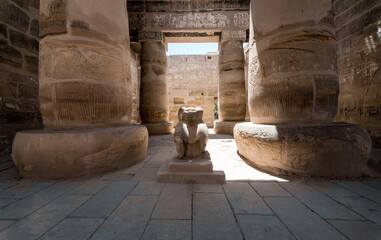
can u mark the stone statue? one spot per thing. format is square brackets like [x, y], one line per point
[191, 133]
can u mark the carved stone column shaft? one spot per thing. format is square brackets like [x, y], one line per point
[293, 91]
[154, 105]
[85, 93]
[231, 86]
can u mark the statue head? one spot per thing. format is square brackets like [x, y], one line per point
[191, 115]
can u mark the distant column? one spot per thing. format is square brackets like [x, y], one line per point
[154, 105]
[231, 86]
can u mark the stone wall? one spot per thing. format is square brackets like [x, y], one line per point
[193, 81]
[358, 34]
[19, 44]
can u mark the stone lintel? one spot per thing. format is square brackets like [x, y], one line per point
[211, 20]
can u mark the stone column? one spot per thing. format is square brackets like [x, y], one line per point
[293, 91]
[231, 86]
[85, 93]
[154, 105]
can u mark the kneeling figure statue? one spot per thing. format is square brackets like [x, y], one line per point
[191, 133]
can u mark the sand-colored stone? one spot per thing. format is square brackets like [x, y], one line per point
[166, 176]
[358, 59]
[154, 109]
[324, 150]
[231, 84]
[293, 92]
[192, 82]
[154, 94]
[85, 94]
[159, 128]
[225, 127]
[191, 133]
[76, 153]
[85, 73]
[292, 63]
[191, 165]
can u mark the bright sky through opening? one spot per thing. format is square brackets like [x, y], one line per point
[191, 48]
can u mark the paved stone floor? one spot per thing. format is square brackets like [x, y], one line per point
[129, 204]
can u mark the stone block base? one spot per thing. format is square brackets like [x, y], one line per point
[322, 150]
[195, 170]
[161, 128]
[225, 127]
[75, 153]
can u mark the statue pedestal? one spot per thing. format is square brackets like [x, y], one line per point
[192, 170]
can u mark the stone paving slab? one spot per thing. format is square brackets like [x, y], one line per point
[146, 174]
[373, 183]
[168, 229]
[6, 165]
[364, 207]
[36, 224]
[301, 221]
[206, 210]
[333, 190]
[5, 223]
[175, 202]
[104, 202]
[73, 228]
[129, 220]
[207, 188]
[5, 185]
[89, 187]
[147, 189]
[6, 201]
[163, 154]
[117, 176]
[325, 206]
[270, 189]
[355, 230]
[30, 204]
[132, 170]
[363, 190]
[213, 218]
[24, 189]
[244, 199]
[263, 227]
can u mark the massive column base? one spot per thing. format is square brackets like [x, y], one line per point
[194, 170]
[161, 128]
[74, 153]
[225, 127]
[321, 150]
